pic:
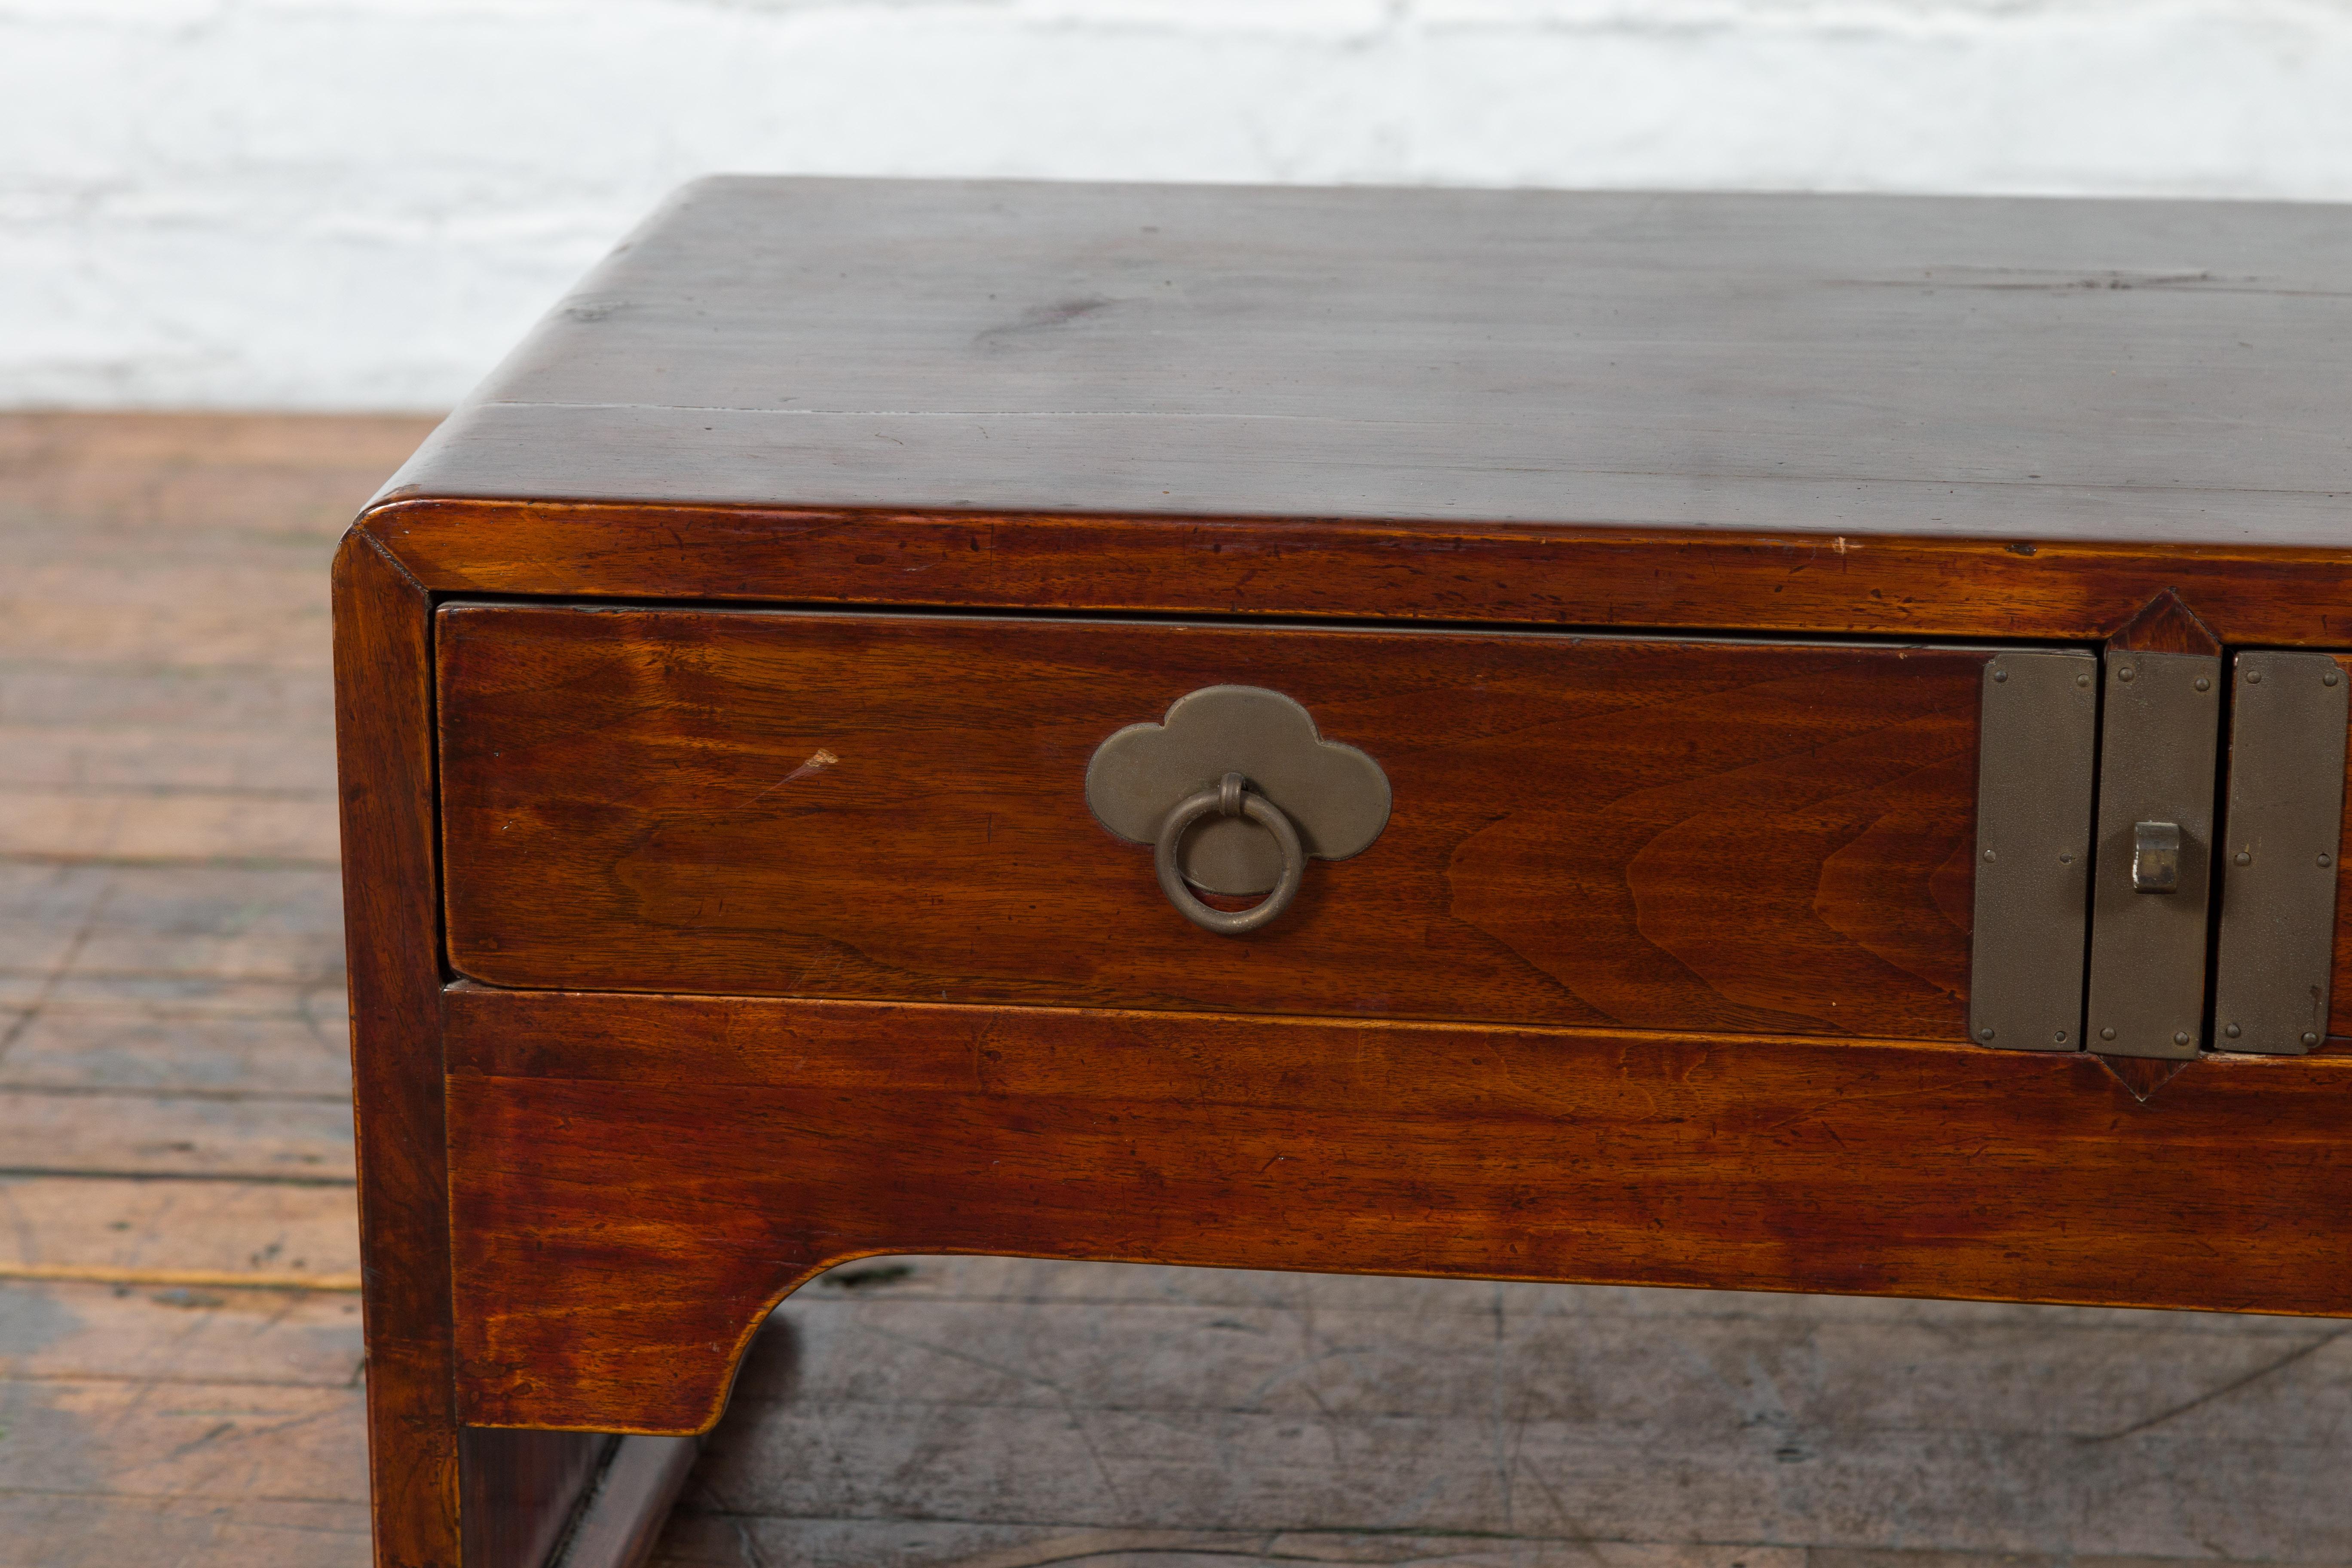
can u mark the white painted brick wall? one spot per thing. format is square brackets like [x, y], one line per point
[359, 203]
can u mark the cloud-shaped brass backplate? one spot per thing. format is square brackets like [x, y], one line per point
[1334, 795]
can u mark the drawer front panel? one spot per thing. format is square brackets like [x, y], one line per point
[1650, 833]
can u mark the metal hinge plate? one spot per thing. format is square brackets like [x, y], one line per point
[2159, 736]
[2039, 730]
[2288, 718]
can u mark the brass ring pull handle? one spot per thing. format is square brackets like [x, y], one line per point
[1145, 783]
[1231, 797]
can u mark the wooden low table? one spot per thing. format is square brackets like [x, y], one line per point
[1780, 743]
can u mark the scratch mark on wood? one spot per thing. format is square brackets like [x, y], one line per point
[816, 762]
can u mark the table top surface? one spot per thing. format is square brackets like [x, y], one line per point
[2169, 371]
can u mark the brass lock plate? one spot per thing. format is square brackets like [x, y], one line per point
[2039, 730]
[2159, 736]
[2280, 842]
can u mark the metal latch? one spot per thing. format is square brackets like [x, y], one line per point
[2156, 857]
[2155, 853]
[2159, 736]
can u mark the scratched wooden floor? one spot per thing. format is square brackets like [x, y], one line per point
[180, 1357]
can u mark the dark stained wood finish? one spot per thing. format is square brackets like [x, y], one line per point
[438, 1499]
[1967, 421]
[2021, 370]
[522, 1490]
[383, 663]
[2143, 1076]
[1859, 415]
[1666, 835]
[1525, 575]
[2166, 626]
[637, 1179]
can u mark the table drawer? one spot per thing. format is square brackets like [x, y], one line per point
[1670, 834]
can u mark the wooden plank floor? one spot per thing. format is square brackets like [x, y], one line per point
[179, 1335]
[180, 1357]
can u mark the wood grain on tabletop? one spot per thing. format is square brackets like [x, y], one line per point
[175, 1071]
[2022, 369]
[1794, 1165]
[1663, 835]
[1881, 415]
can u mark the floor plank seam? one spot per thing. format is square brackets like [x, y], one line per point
[257, 1178]
[151, 1380]
[168, 1091]
[217, 862]
[200, 1279]
[23, 1023]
